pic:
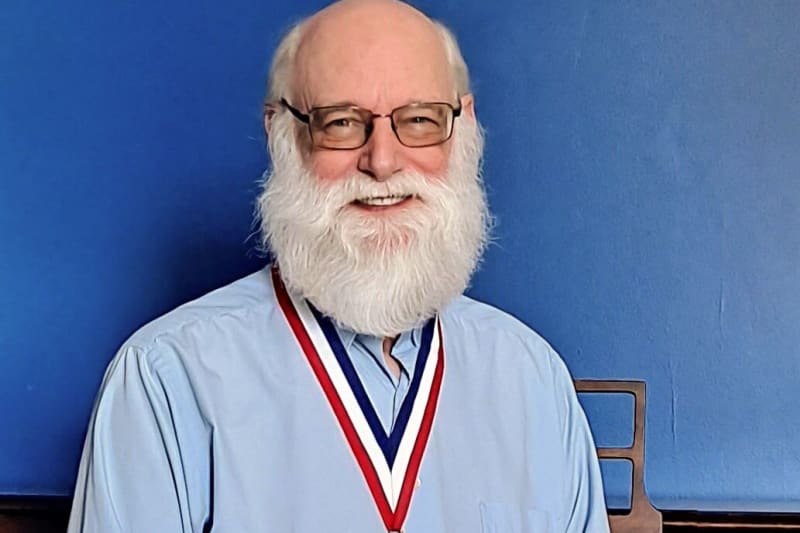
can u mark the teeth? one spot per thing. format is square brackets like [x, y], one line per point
[382, 200]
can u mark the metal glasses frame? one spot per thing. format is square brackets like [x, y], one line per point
[305, 118]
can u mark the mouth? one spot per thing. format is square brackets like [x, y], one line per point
[377, 202]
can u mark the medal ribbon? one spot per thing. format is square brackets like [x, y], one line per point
[389, 463]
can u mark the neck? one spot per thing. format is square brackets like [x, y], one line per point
[391, 362]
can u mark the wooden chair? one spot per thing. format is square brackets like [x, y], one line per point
[643, 517]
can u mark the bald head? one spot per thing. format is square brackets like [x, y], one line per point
[375, 50]
[366, 39]
[363, 22]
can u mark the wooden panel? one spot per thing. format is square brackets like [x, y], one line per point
[33, 514]
[689, 521]
[50, 515]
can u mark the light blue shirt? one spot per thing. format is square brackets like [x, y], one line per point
[385, 391]
[211, 416]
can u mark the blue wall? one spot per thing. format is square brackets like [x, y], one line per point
[642, 159]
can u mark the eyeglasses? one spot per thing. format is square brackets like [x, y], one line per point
[347, 127]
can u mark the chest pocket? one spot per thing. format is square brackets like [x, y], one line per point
[504, 518]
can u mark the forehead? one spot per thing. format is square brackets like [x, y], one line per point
[377, 60]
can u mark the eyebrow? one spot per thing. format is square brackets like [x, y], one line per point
[336, 104]
[348, 103]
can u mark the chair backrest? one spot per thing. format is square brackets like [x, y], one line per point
[643, 517]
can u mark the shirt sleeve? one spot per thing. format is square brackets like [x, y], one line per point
[585, 503]
[146, 462]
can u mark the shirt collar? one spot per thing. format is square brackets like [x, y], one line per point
[407, 342]
[348, 336]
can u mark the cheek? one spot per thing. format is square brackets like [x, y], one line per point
[333, 165]
[430, 161]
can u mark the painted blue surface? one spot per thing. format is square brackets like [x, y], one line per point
[643, 160]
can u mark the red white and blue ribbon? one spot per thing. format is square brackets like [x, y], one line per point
[389, 462]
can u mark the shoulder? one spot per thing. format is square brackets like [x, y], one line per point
[179, 359]
[472, 317]
[509, 337]
[209, 315]
[476, 314]
[492, 338]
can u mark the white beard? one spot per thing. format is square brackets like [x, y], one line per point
[378, 274]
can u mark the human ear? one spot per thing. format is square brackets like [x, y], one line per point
[468, 105]
[269, 114]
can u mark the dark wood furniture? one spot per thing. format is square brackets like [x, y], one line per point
[643, 517]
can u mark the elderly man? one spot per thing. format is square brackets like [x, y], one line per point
[349, 387]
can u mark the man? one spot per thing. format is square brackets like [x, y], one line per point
[349, 387]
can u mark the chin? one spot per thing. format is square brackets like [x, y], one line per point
[387, 244]
[386, 240]
[384, 230]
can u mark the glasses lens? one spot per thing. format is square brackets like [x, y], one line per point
[339, 127]
[423, 124]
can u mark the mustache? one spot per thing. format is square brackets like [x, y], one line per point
[359, 187]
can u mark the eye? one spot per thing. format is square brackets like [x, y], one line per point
[339, 123]
[420, 122]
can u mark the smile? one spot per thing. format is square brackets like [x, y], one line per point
[383, 201]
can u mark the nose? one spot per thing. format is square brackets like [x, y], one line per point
[382, 156]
